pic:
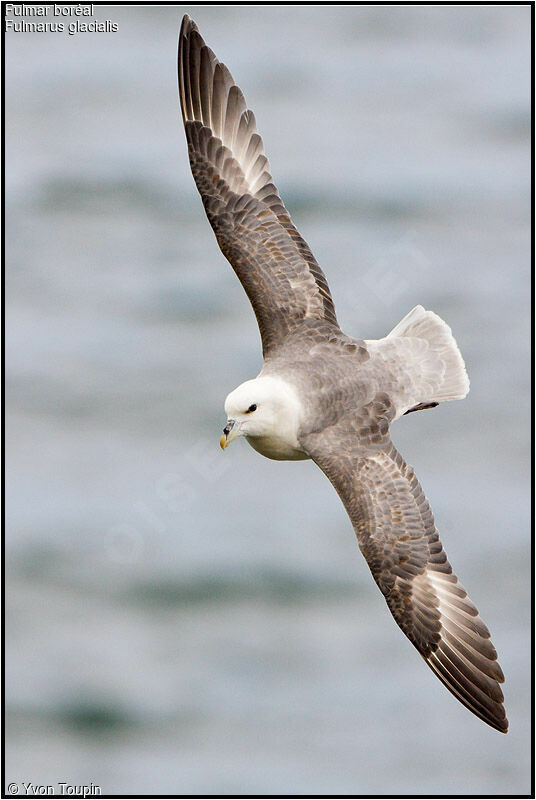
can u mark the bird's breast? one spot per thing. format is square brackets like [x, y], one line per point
[277, 448]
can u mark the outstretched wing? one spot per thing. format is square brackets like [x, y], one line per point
[397, 535]
[254, 231]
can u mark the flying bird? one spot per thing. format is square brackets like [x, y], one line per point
[326, 396]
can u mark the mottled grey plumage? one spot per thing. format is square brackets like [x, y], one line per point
[349, 390]
[252, 226]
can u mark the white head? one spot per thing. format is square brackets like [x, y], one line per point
[264, 409]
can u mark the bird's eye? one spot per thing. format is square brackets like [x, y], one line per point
[252, 407]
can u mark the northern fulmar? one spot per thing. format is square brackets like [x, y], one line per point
[327, 396]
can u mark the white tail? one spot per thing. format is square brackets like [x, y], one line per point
[422, 362]
[427, 326]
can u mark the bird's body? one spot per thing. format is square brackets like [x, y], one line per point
[320, 375]
[327, 396]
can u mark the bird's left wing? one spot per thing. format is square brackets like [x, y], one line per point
[254, 231]
[397, 535]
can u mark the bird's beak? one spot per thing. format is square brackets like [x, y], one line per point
[230, 432]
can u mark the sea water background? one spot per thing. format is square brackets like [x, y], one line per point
[187, 621]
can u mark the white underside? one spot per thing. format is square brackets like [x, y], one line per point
[277, 448]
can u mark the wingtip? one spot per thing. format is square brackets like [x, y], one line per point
[498, 724]
[490, 712]
[188, 25]
[187, 29]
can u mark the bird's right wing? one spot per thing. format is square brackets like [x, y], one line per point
[397, 535]
[254, 231]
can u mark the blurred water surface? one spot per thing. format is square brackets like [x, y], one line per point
[182, 620]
